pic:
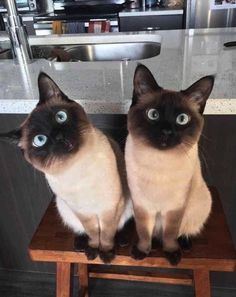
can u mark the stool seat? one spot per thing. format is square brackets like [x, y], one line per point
[213, 250]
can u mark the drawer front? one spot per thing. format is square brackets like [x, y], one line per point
[144, 23]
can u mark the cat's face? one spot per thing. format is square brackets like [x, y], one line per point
[166, 119]
[55, 129]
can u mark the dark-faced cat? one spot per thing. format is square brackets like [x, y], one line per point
[169, 194]
[83, 167]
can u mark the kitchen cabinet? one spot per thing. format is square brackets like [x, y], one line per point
[151, 20]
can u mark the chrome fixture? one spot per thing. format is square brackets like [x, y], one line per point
[18, 36]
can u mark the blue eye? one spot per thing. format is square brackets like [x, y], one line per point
[61, 116]
[39, 140]
[182, 119]
[153, 114]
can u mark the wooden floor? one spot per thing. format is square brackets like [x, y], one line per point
[22, 284]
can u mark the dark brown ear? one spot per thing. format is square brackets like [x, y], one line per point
[13, 136]
[144, 83]
[49, 90]
[200, 91]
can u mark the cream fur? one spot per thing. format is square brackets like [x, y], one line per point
[162, 181]
[89, 183]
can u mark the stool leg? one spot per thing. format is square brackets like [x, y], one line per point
[202, 283]
[63, 279]
[83, 280]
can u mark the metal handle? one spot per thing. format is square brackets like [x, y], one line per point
[230, 44]
[2, 25]
[151, 28]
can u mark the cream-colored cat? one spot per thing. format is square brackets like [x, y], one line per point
[84, 168]
[164, 173]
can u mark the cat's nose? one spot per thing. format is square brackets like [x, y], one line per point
[59, 137]
[167, 132]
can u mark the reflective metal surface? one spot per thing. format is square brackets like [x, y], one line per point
[94, 52]
[17, 34]
[200, 15]
[113, 52]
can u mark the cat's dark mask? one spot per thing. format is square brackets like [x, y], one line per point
[54, 130]
[165, 119]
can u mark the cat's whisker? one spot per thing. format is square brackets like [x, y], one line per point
[202, 152]
[206, 137]
[185, 150]
[34, 174]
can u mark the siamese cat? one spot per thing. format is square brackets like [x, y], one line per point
[163, 167]
[84, 168]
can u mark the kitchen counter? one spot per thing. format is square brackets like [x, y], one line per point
[106, 87]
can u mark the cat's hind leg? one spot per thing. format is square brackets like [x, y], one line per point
[69, 218]
[81, 242]
[126, 225]
[124, 235]
[72, 221]
[196, 212]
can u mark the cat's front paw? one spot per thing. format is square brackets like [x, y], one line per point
[91, 253]
[107, 256]
[137, 254]
[173, 257]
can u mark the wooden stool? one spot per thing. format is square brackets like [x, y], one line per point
[212, 251]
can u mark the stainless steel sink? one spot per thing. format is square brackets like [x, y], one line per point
[114, 51]
[106, 48]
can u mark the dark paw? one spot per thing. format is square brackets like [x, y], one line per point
[123, 236]
[107, 256]
[91, 253]
[173, 257]
[137, 254]
[122, 239]
[81, 242]
[185, 243]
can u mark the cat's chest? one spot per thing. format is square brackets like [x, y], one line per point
[158, 167]
[88, 184]
[153, 177]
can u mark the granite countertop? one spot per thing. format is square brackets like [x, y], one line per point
[106, 87]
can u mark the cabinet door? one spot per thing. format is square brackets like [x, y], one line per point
[145, 23]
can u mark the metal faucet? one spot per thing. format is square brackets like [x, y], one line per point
[18, 36]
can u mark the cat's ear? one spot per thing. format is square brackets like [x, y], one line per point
[199, 92]
[13, 136]
[49, 90]
[144, 83]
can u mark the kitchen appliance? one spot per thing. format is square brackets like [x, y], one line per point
[95, 6]
[22, 5]
[201, 14]
[2, 24]
[85, 11]
[150, 3]
[136, 4]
